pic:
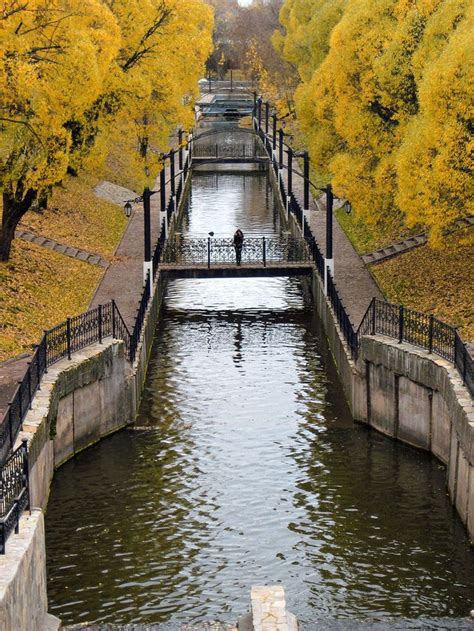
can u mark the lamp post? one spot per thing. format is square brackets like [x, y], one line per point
[267, 116]
[147, 261]
[329, 262]
[274, 133]
[259, 112]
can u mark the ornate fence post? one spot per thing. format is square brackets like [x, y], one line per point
[208, 252]
[68, 337]
[100, 324]
[113, 319]
[264, 246]
[430, 333]
[401, 323]
[28, 372]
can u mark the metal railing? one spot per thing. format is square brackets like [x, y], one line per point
[342, 317]
[419, 329]
[209, 251]
[14, 493]
[234, 150]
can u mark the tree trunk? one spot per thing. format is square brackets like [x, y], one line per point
[15, 205]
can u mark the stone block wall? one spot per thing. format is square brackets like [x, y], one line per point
[412, 396]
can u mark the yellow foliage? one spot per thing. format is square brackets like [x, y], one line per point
[385, 103]
[78, 75]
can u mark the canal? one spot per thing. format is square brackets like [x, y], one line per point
[245, 467]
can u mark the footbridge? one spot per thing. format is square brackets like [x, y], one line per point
[210, 257]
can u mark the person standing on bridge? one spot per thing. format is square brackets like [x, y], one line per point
[238, 244]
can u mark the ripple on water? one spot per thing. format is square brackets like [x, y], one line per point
[252, 471]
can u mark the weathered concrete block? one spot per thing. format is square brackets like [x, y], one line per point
[462, 486]
[382, 399]
[64, 439]
[470, 508]
[414, 405]
[440, 428]
[87, 419]
[453, 465]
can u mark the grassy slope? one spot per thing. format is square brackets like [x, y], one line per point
[77, 217]
[435, 281]
[40, 288]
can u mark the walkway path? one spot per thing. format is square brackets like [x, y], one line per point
[123, 280]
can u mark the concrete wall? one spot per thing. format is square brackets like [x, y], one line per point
[23, 599]
[411, 396]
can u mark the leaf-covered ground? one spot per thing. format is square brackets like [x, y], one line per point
[40, 288]
[75, 216]
[367, 238]
[436, 281]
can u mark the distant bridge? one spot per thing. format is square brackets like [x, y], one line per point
[236, 153]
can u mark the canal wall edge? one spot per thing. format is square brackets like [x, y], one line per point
[412, 396]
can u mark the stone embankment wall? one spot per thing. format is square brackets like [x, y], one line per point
[412, 396]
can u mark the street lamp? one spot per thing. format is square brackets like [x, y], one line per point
[147, 262]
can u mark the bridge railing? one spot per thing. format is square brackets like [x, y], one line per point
[184, 251]
[14, 493]
[234, 150]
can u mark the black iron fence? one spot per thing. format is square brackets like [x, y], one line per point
[14, 493]
[58, 343]
[419, 329]
[209, 251]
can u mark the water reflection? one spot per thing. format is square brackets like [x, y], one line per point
[246, 468]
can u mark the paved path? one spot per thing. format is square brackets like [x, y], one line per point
[354, 282]
[123, 280]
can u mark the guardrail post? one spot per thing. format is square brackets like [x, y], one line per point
[10, 424]
[374, 316]
[401, 323]
[26, 471]
[38, 371]
[208, 252]
[430, 333]
[113, 319]
[28, 372]
[100, 324]
[264, 245]
[464, 362]
[68, 337]
[45, 337]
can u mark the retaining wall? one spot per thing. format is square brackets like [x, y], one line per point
[412, 396]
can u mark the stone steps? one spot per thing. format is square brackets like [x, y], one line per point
[61, 248]
[401, 247]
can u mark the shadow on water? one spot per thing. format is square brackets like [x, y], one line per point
[245, 467]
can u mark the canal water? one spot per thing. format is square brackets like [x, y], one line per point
[245, 467]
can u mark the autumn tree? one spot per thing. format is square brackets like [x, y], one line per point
[73, 70]
[384, 103]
